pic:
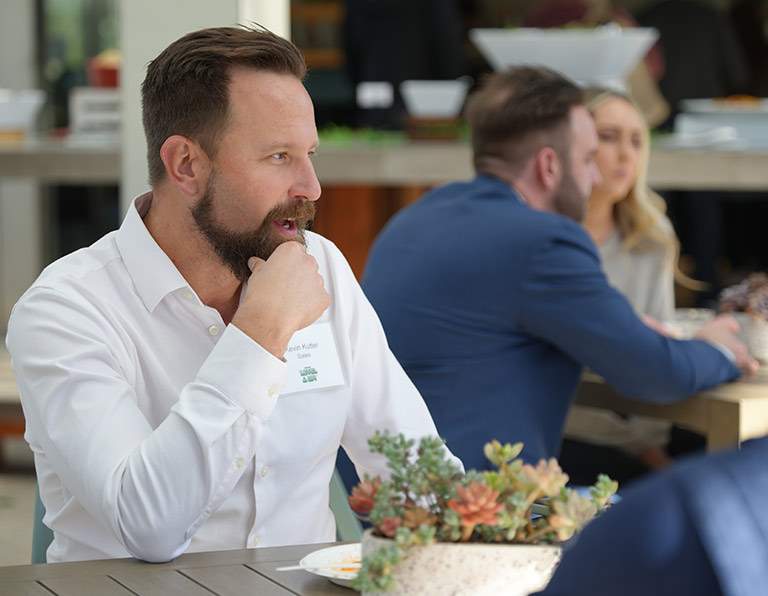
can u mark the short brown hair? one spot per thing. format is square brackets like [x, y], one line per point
[518, 111]
[186, 90]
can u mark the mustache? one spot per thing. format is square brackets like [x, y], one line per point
[301, 211]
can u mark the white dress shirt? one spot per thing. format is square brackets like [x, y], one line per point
[159, 430]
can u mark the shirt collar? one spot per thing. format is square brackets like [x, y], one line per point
[154, 275]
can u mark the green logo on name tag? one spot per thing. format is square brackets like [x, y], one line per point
[308, 375]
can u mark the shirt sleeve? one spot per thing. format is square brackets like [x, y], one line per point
[384, 398]
[567, 301]
[153, 487]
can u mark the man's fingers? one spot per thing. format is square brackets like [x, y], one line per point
[745, 361]
[731, 324]
[751, 366]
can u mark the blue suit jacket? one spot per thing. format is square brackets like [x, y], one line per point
[699, 528]
[493, 308]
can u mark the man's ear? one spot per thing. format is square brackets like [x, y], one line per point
[549, 169]
[187, 166]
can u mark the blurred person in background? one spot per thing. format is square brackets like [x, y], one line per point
[748, 18]
[703, 59]
[638, 249]
[493, 296]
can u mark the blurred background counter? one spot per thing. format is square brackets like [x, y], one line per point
[364, 182]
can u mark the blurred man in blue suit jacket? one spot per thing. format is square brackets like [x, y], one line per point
[492, 295]
[699, 528]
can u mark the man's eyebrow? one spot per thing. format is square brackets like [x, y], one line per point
[286, 146]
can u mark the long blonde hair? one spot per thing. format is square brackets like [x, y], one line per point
[641, 216]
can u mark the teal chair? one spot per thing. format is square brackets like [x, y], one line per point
[42, 535]
[348, 527]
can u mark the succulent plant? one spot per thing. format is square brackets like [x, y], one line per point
[749, 296]
[476, 504]
[362, 498]
[426, 499]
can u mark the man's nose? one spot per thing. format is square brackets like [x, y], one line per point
[306, 186]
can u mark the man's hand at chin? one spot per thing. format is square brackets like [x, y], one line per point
[285, 293]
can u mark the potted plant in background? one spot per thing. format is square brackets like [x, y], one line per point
[438, 531]
[748, 302]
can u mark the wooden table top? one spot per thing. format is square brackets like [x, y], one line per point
[727, 414]
[224, 573]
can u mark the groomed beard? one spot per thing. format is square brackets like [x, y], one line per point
[568, 199]
[235, 248]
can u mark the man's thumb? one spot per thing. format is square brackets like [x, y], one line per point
[255, 263]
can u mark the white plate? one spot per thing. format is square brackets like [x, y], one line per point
[715, 106]
[328, 562]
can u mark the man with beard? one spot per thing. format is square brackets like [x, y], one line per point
[493, 297]
[187, 380]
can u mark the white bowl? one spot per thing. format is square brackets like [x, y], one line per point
[601, 56]
[469, 568]
[434, 99]
[687, 321]
[18, 109]
[746, 122]
[754, 333]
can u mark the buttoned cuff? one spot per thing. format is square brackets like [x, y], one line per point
[244, 372]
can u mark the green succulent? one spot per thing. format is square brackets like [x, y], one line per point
[427, 498]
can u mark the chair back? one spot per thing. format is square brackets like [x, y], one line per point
[348, 527]
[42, 535]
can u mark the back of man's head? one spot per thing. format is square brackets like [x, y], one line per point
[186, 90]
[517, 112]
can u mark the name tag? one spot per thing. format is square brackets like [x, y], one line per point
[313, 361]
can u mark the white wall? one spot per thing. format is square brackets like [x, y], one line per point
[148, 26]
[17, 50]
[20, 203]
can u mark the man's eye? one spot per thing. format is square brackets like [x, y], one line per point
[282, 156]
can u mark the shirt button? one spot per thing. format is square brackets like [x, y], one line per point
[273, 390]
[189, 295]
[213, 330]
[264, 471]
[253, 541]
[239, 463]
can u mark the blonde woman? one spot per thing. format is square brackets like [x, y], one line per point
[625, 218]
[639, 251]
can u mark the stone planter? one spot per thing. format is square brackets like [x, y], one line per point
[474, 569]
